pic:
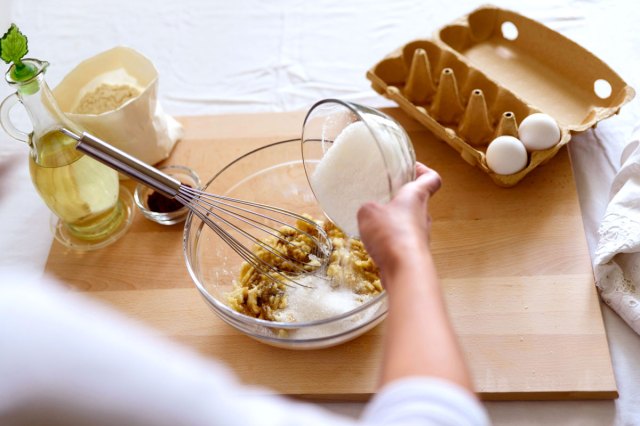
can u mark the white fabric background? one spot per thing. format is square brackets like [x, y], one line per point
[246, 56]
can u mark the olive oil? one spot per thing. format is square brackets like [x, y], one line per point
[81, 191]
[84, 194]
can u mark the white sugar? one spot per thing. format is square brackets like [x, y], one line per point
[320, 300]
[351, 173]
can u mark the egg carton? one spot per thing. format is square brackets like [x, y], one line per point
[483, 74]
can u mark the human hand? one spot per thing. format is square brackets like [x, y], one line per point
[393, 231]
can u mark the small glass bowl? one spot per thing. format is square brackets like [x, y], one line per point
[388, 146]
[141, 196]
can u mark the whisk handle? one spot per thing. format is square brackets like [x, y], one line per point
[125, 163]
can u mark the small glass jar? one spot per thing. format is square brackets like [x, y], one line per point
[374, 160]
[159, 208]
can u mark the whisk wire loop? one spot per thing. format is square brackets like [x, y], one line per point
[215, 202]
[212, 211]
[268, 270]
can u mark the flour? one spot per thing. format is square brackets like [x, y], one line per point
[350, 173]
[105, 98]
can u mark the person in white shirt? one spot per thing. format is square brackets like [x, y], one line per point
[66, 360]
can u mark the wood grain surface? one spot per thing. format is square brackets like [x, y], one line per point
[514, 265]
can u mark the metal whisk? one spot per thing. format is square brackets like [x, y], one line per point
[226, 216]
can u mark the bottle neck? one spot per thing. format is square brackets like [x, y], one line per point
[41, 106]
[49, 147]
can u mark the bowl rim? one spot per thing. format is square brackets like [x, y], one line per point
[375, 320]
[226, 310]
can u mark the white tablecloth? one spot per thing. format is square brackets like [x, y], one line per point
[246, 56]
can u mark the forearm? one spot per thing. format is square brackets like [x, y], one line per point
[419, 340]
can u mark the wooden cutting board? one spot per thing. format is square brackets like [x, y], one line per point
[514, 266]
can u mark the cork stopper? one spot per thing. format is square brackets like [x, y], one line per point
[447, 107]
[419, 88]
[507, 125]
[475, 127]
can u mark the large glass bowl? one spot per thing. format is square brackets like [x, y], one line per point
[275, 175]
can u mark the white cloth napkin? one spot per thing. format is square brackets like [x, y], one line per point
[617, 255]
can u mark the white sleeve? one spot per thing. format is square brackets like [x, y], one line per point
[65, 359]
[424, 401]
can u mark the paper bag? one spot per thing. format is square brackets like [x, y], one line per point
[138, 126]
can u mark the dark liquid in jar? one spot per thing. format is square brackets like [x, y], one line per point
[163, 204]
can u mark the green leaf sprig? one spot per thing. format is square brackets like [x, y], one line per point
[13, 47]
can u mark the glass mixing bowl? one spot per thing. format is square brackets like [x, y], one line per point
[275, 175]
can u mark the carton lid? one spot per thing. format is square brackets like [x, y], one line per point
[545, 69]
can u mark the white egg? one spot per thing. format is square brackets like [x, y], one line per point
[506, 155]
[539, 131]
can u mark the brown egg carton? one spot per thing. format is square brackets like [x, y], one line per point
[483, 74]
